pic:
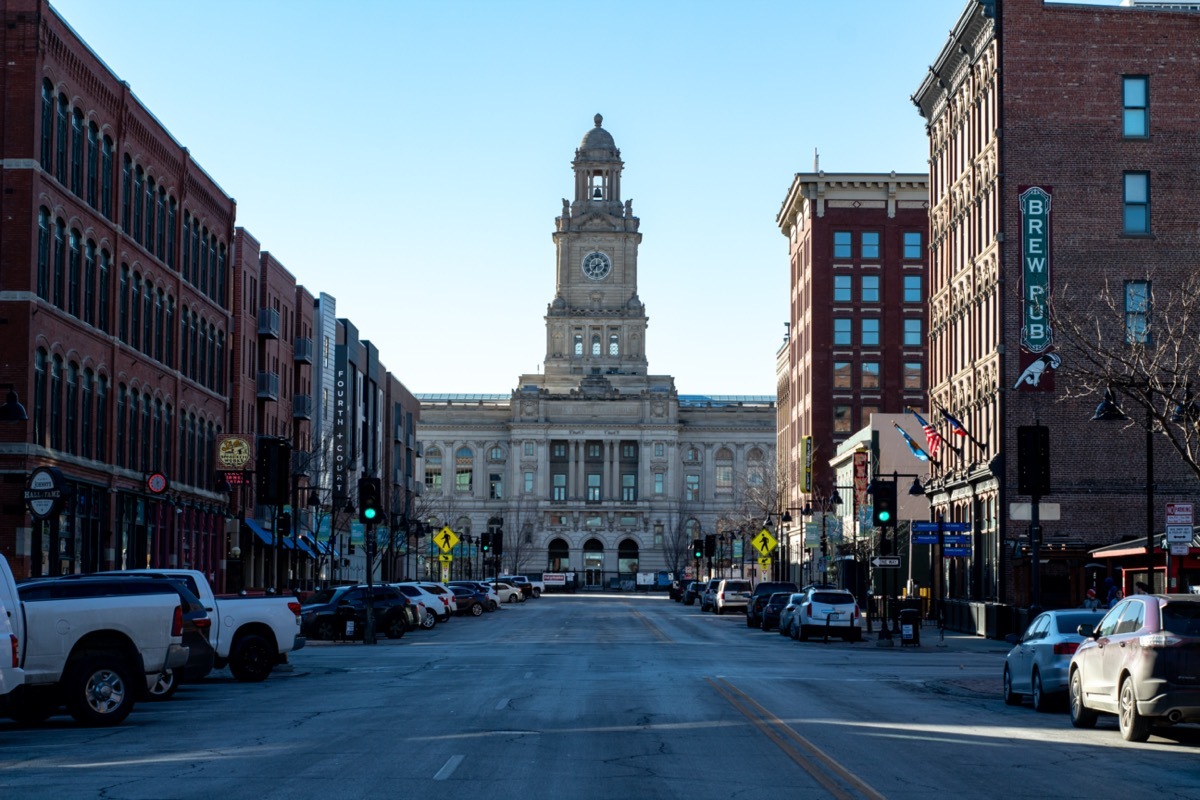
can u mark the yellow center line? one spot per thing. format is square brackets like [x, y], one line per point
[658, 633]
[780, 733]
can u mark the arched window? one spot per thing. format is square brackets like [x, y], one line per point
[47, 125]
[74, 273]
[593, 561]
[613, 348]
[187, 251]
[579, 344]
[130, 443]
[135, 312]
[70, 417]
[595, 344]
[106, 176]
[56, 421]
[60, 263]
[77, 139]
[43, 262]
[93, 168]
[724, 471]
[127, 194]
[558, 556]
[147, 432]
[86, 441]
[89, 282]
[39, 396]
[101, 418]
[433, 469]
[60, 149]
[102, 320]
[755, 467]
[139, 178]
[463, 470]
[627, 557]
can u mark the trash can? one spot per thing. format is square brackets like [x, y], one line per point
[910, 627]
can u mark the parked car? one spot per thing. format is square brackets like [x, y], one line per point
[442, 592]
[327, 614]
[827, 612]
[520, 582]
[470, 601]
[1140, 663]
[692, 591]
[758, 599]
[507, 592]
[731, 594]
[430, 609]
[708, 597]
[1038, 663]
[773, 610]
[794, 603]
[493, 601]
[11, 674]
[675, 590]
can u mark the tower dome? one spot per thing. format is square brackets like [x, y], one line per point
[597, 145]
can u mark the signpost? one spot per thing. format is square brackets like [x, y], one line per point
[886, 562]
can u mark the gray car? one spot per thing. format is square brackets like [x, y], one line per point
[1037, 665]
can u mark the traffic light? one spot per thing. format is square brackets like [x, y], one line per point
[697, 548]
[710, 545]
[284, 525]
[498, 541]
[271, 471]
[884, 504]
[486, 542]
[1033, 460]
[370, 506]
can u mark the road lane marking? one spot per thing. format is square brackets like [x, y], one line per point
[448, 770]
[654, 629]
[799, 749]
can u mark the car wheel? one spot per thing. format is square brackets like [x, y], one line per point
[252, 659]
[794, 632]
[325, 630]
[538, 593]
[492, 605]
[429, 620]
[476, 609]
[163, 688]
[395, 627]
[99, 691]
[512, 598]
[1011, 698]
[1134, 727]
[720, 610]
[1081, 715]
[1041, 701]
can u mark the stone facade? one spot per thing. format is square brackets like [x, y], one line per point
[596, 466]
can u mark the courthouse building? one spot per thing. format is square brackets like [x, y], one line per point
[596, 465]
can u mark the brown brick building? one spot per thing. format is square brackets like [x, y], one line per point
[1063, 157]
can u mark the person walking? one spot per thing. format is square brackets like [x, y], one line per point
[1091, 601]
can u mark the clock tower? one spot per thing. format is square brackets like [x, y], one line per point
[596, 325]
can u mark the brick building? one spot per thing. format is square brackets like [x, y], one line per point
[1062, 160]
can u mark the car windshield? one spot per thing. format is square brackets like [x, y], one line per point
[833, 598]
[320, 598]
[1181, 619]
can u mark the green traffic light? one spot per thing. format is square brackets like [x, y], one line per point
[884, 516]
[369, 513]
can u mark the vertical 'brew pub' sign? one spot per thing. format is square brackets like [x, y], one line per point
[1038, 359]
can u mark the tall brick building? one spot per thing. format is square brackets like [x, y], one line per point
[1063, 156]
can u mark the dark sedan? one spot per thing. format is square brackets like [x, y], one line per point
[772, 609]
[692, 592]
[470, 600]
[340, 612]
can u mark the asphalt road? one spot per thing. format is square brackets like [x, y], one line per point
[601, 697]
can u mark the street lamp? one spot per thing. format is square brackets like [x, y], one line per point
[1109, 411]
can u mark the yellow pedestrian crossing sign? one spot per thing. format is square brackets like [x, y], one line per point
[445, 558]
[764, 542]
[446, 539]
[764, 562]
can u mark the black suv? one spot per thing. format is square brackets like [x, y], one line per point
[692, 592]
[326, 614]
[758, 598]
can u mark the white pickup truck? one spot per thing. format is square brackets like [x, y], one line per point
[95, 654]
[250, 634]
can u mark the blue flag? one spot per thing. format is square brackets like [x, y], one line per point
[913, 446]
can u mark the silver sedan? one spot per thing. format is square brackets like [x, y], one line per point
[1038, 662]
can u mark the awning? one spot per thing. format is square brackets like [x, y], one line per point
[259, 531]
[306, 547]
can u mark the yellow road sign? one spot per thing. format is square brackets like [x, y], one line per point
[764, 542]
[764, 562]
[445, 558]
[446, 539]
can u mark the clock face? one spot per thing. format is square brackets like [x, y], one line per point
[157, 483]
[596, 266]
[233, 452]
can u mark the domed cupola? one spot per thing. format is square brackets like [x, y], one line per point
[598, 168]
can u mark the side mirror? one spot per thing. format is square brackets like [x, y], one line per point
[1086, 631]
[1012, 638]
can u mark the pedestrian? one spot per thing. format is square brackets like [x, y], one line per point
[1142, 588]
[1113, 595]
[1091, 601]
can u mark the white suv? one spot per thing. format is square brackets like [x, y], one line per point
[731, 593]
[827, 612]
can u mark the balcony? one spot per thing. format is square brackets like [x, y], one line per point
[268, 386]
[268, 323]
[302, 351]
[302, 406]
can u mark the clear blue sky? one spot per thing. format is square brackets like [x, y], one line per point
[409, 157]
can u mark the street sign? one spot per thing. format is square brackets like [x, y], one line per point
[948, 527]
[924, 538]
[764, 542]
[955, 538]
[886, 562]
[764, 562]
[1179, 514]
[445, 558]
[925, 527]
[956, 551]
[1179, 534]
[445, 539]
[1180, 549]
[1047, 512]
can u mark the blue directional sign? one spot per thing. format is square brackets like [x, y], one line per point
[956, 538]
[956, 551]
[924, 538]
[948, 527]
[925, 527]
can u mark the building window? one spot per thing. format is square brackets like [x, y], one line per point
[1137, 312]
[559, 450]
[106, 177]
[912, 245]
[495, 486]
[1136, 99]
[841, 244]
[628, 487]
[43, 254]
[691, 488]
[496, 454]
[659, 449]
[529, 448]
[528, 481]
[433, 469]
[47, 125]
[841, 419]
[578, 344]
[77, 139]
[912, 333]
[628, 450]
[870, 375]
[724, 471]
[593, 450]
[593, 487]
[1137, 203]
[870, 244]
[595, 344]
[463, 472]
[870, 332]
[912, 375]
[613, 349]
[865, 413]
[842, 332]
[659, 483]
[841, 288]
[870, 288]
[912, 288]
[559, 489]
[841, 375]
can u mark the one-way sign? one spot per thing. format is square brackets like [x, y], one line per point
[886, 561]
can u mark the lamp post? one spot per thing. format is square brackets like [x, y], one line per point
[1109, 411]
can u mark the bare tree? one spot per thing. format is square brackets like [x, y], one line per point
[1143, 349]
[519, 522]
[677, 546]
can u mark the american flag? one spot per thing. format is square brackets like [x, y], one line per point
[932, 437]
